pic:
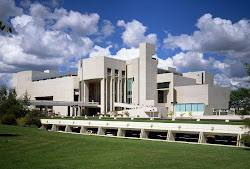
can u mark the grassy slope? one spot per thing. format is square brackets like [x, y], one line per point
[36, 148]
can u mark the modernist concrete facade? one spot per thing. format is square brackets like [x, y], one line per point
[136, 86]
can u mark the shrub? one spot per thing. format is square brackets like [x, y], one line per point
[126, 113]
[182, 114]
[32, 120]
[190, 114]
[29, 120]
[21, 121]
[9, 119]
[171, 113]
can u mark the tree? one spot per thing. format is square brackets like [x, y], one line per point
[246, 138]
[239, 99]
[3, 93]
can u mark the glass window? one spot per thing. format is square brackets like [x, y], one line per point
[182, 107]
[123, 74]
[188, 107]
[109, 71]
[194, 107]
[177, 107]
[163, 85]
[116, 72]
[200, 107]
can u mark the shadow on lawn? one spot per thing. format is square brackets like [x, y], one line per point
[9, 135]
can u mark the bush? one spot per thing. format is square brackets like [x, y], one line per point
[32, 120]
[29, 120]
[21, 121]
[8, 119]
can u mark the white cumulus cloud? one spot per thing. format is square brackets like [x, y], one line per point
[135, 33]
[83, 24]
[216, 35]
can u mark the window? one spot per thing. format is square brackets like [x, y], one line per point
[160, 96]
[188, 107]
[129, 90]
[194, 107]
[123, 74]
[200, 107]
[177, 107]
[182, 107]
[109, 71]
[163, 85]
[116, 72]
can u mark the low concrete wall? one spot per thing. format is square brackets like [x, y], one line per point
[145, 127]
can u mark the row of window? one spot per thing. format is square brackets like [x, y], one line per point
[189, 107]
[116, 72]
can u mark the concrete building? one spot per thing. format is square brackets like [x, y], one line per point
[136, 86]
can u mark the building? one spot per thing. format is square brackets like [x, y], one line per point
[104, 84]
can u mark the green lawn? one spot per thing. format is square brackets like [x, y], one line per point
[35, 148]
[153, 121]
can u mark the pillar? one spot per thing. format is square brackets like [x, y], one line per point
[103, 97]
[170, 136]
[202, 138]
[43, 127]
[46, 110]
[86, 91]
[125, 91]
[54, 128]
[144, 134]
[73, 111]
[239, 142]
[106, 96]
[83, 129]
[121, 133]
[111, 94]
[68, 129]
[100, 131]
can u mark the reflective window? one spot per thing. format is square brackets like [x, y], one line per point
[182, 107]
[188, 107]
[194, 107]
[200, 107]
[177, 107]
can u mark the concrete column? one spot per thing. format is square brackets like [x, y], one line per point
[106, 96]
[170, 136]
[121, 133]
[202, 138]
[103, 97]
[125, 91]
[43, 127]
[54, 128]
[144, 134]
[46, 110]
[101, 131]
[118, 90]
[83, 129]
[111, 94]
[239, 142]
[68, 129]
[73, 111]
[86, 91]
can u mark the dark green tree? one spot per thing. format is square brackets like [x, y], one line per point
[239, 99]
[3, 93]
[246, 138]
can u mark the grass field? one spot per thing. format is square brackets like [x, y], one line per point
[35, 148]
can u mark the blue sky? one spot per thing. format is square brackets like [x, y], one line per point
[190, 35]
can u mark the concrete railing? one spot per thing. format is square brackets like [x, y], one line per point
[145, 127]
